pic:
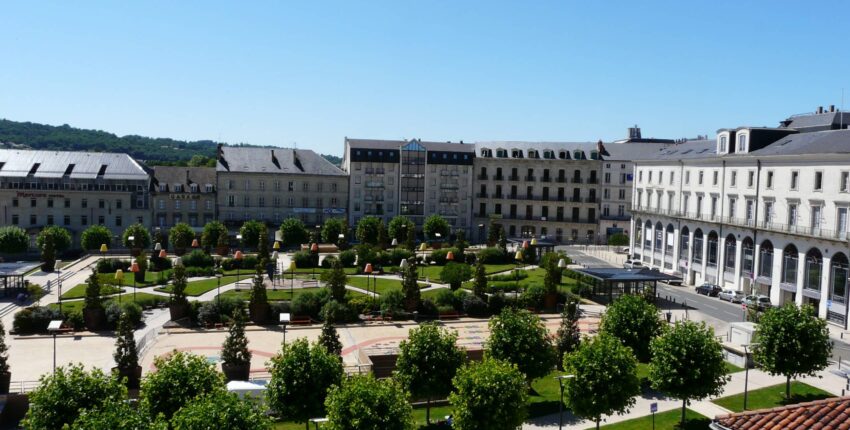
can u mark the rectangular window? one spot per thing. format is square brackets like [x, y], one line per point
[177, 205]
[15, 220]
[713, 207]
[699, 181]
[769, 180]
[84, 203]
[750, 211]
[291, 185]
[67, 203]
[733, 178]
[722, 143]
[845, 182]
[818, 181]
[33, 203]
[687, 177]
[66, 219]
[14, 203]
[50, 203]
[685, 199]
[50, 220]
[101, 220]
[84, 220]
[816, 218]
[794, 177]
[841, 221]
[742, 143]
[32, 220]
[768, 213]
[792, 214]
[118, 221]
[732, 202]
[751, 179]
[672, 177]
[714, 178]
[101, 204]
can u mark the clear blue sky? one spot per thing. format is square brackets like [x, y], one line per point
[276, 72]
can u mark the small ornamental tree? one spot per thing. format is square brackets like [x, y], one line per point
[211, 234]
[398, 227]
[263, 244]
[479, 284]
[116, 415]
[687, 363]
[410, 287]
[13, 240]
[300, 378]
[94, 236]
[460, 242]
[332, 228]
[4, 351]
[436, 224]
[234, 351]
[369, 230]
[259, 296]
[503, 241]
[179, 379]
[141, 237]
[180, 236]
[61, 396]
[126, 356]
[489, 395]
[455, 274]
[250, 232]
[410, 237]
[223, 241]
[330, 339]
[519, 337]
[605, 378]
[293, 232]
[93, 300]
[51, 241]
[568, 337]
[178, 285]
[618, 239]
[792, 341]
[335, 280]
[552, 277]
[634, 321]
[362, 402]
[427, 361]
[493, 234]
[221, 410]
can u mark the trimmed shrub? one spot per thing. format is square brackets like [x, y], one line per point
[248, 262]
[198, 258]
[493, 255]
[363, 304]
[453, 299]
[496, 302]
[511, 276]
[474, 306]
[347, 258]
[34, 319]
[338, 313]
[392, 301]
[328, 261]
[218, 311]
[439, 256]
[110, 265]
[309, 303]
[394, 256]
[114, 310]
[76, 320]
[303, 259]
[428, 308]
[534, 296]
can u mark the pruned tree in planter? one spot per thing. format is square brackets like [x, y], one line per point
[51, 241]
[634, 321]
[479, 284]
[259, 302]
[222, 245]
[5, 375]
[568, 337]
[410, 287]
[93, 311]
[235, 355]
[335, 280]
[126, 356]
[179, 304]
[13, 240]
[330, 338]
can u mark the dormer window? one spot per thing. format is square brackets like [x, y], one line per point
[549, 155]
[578, 155]
[163, 188]
[532, 154]
[516, 153]
[178, 188]
[594, 155]
[486, 153]
[742, 143]
[564, 155]
[501, 153]
[193, 188]
[209, 188]
[723, 144]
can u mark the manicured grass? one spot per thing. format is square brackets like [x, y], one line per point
[664, 421]
[196, 288]
[151, 279]
[379, 285]
[545, 395]
[437, 413]
[643, 370]
[319, 271]
[433, 272]
[279, 294]
[772, 396]
[432, 294]
[79, 292]
[143, 299]
[731, 368]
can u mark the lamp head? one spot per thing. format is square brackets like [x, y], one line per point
[119, 275]
[314, 247]
[157, 247]
[518, 256]
[103, 247]
[368, 268]
[450, 256]
[276, 245]
[134, 267]
[162, 253]
[395, 242]
[238, 255]
[195, 243]
[423, 247]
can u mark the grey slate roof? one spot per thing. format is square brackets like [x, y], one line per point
[819, 142]
[274, 160]
[818, 122]
[396, 144]
[540, 146]
[54, 164]
[185, 176]
[633, 151]
[689, 150]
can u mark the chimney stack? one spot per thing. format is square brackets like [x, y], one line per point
[634, 132]
[832, 108]
[820, 110]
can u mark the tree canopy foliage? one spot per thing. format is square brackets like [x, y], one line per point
[489, 395]
[634, 321]
[365, 403]
[13, 240]
[519, 337]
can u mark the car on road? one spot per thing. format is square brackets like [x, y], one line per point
[759, 302]
[707, 289]
[674, 282]
[732, 296]
[632, 264]
[622, 250]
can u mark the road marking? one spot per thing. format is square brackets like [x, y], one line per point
[710, 307]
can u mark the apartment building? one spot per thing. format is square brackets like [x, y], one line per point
[183, 194]
[273, 184]
[758, 209]
[73, 190]
[413, 178]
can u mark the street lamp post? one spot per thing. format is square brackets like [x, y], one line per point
[518, 258]
[314, 248]
[292, 267]
[134, 268]
[57, 268]
[561, 380]
[119, 276]
[424, 248]
[54, 327]
[747, 369]
[238, 257]
[403, 266]
[218, 291]
[368, 271]
[340, 238]
[284, 320]
[275, 256]
[103, 249]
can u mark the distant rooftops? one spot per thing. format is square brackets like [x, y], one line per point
[274, 160]
[820, 120]
[21, 163]
[397, 144]
[183, 176]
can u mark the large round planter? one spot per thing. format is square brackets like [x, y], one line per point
[94, 318]
[179, 251]
[236, 372]
[135, 251]
[133, 375]
[5, 380]
[178, 311]
[550, 300]
[222, 251]
[259, 312]
[139, 276]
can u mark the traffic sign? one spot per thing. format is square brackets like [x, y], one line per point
[653, 407]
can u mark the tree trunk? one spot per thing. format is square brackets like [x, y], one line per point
[787, 387]
[428, 411]
[684, 407]
[597, 424]
[307, 425]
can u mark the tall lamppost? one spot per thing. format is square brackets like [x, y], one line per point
[132, 240]
[747, 369]
[518, 261]
[424, 248]
[218, 275]
[276, 248]
[54, 327]
[119, 276]
[314, 249]
[534, 244]
[134, 268]
[275, 256]
[340, 241]
[368, 271]
[561, 380]
[238, 257]
[57, 268]
[403, 266]
[103, 249]
[284, 321]
[292, 267]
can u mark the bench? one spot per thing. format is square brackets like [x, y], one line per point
[449, 315]
[310, 284]
[243, 286]
[300, 320]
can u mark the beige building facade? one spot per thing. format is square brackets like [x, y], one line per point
[183, 194]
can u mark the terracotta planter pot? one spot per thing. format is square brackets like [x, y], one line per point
[179, 251]
[236, 372]
[259, 312]
[94, 318]
[133, 375]
[222, 251]
[5, 380]
[135, 252]
[178, 311]
[550, 301]
[140, 276]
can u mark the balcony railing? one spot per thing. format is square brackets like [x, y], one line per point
[561, 179]
[531, 178]
[577, 180]
[498, 177]
[593, 180]
[546, 179]
[481, 195]
[483, 176]
[513, 178]
[591, 200]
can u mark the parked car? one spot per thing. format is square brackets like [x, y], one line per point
[674, 282]
[710, 290]
[759, 302]
[732, 296]
[624, 250]
[632, 264]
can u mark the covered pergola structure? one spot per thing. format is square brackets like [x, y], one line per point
[12, 277]
[614, 282]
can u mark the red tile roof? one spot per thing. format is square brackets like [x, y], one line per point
[826, 414]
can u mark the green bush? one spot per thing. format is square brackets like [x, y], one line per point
[363, 304]
[110, 265]
[141, 237]
[34, 319]
[366, 403]
[455, 274]
[503, 286]
[394, 256]
[249, 262]
[534, 296]
[114, 310]
[392, 301]
[178, 380]
[328, 261]
[618, 239]
[439, 255]
[474, 306]
[218, 310]
[338, 313]
[309, 303]
[493, 255]
[76, 320]
[13, 240]
[511, 276]
[496, 302]
[221, 410]
[348, 257]
[198, 258]
[303, 259]
[94, 236]
[446, 297]
[428, 308]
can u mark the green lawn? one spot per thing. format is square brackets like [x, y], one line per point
[79, 292]
[433, 272]
[663, 421]
[643, 370]
[319, 271]
[279, 294]
[151, 279]
[545, 395]
[143, 299]
[379, 285]
[772, 396]
[437, 413]
[196, 288]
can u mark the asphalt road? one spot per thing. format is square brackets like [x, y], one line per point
[710, 306]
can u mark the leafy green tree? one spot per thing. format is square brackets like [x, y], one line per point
[332, 228]
[220, 410]
[116, 415]
[427, 361]
[180, 236]
[234, 351]
[520, 337]
[493, 234]
[199, 160]
[250, 232]
[410, 287]
[605, 378]
[179, 379]
[93, 299]
[335, 280]
[300, 378]
[634, 321]
[618, 239]
[178, 285]
[398, 228]
[410, 237]
[460, 242]
[223, 239]
[293, 232]
[369, 230]
[362, 402]
[94, 236]
[436, 224]
[479, 284]
[211, 235]
[489, 395]
[383, 236]
[126, 356]
[503, 241]
[455, 274]
[259, 296]
[552, 277]
[13, 240]
[568, 337]
[4, 351]
[61, 396]
[52, 240]
[141, 237]
[263, 244]
[329, 338]
[792, 341]
[687, 363]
